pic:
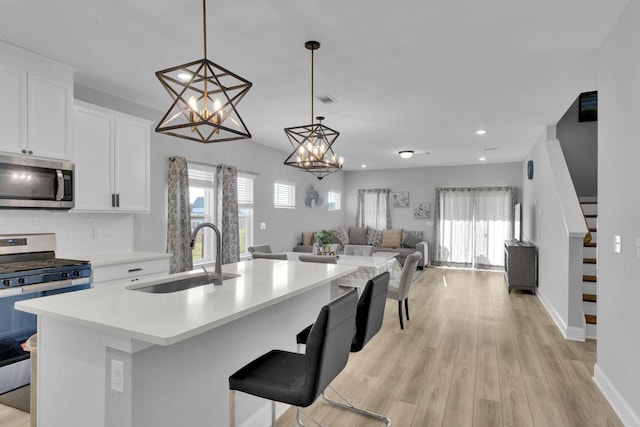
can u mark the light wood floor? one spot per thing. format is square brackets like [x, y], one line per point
[10, 417]
[471, 355]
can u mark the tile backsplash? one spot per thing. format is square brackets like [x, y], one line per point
[77, 234]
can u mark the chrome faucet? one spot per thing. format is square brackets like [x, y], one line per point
[217, 275]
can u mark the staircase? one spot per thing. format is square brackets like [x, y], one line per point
[590, 266]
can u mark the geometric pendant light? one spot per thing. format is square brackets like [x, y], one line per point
[205, 96]
[313, 144]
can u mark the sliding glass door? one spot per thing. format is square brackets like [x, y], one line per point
[472, 225]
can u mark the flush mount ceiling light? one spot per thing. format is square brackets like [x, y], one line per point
[312, 144]
[406, 154]
[481, 132]
[205, 96]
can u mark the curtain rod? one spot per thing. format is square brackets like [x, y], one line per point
[173, 158]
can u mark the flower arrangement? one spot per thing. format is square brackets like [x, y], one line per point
[325, 237]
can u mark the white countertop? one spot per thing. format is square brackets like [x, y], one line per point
[166, 319]
[122, 257]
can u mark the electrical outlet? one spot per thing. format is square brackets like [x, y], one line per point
[263, 226]
[616, 243]
[117, 376]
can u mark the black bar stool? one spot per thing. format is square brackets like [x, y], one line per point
[297, 379]
[369, 315]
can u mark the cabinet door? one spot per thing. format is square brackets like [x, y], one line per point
[94, 160]
[49, 126]
[132, 164]
[13, 110]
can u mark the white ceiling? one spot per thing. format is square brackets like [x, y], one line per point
[410, 74]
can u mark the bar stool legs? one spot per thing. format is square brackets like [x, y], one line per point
[351, 407]
[232, 410]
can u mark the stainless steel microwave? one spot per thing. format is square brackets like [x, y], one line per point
[29, 183]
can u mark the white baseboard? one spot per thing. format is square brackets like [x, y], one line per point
[572, 333]
[626, 414]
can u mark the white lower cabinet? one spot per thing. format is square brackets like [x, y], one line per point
[112, 160]
[118, 271]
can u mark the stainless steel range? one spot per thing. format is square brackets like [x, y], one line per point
[29, 269]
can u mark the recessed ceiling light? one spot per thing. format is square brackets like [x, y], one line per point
[482, 159]
[406, 154]
[481, 132]
[363, 166]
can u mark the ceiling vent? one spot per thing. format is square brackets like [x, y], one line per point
[326, 99]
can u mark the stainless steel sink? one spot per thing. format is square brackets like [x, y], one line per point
[182, 284]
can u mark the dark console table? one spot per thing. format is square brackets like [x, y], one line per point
[521, 265]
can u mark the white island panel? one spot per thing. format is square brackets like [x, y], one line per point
[178, 349]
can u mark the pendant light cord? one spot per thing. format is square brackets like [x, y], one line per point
[204, 32]
[312, 86]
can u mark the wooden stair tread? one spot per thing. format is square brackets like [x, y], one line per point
[589, 202]
[593, 230]
[591, 215]
[589, 261]
[590, 245]
[589, 278]
[589, 298]
[591, 319]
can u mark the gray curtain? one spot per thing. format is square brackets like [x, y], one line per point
[227, 183]
[179, 216]
[374, 208]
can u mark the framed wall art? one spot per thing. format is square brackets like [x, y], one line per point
[400, 199]
[421, 210]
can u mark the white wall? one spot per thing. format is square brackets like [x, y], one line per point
[552, 220]
[617, 371]
[421, 184]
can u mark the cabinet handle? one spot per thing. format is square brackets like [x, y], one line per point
[24, 151]
[113, 200]
[30, 152]
[133, 270]
[117, 200]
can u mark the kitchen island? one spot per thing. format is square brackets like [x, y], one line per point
[116, 356]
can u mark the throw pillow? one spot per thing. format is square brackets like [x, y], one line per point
[391, 238]
[342, 235]
[374, 237]
[418, 234]
[410, 241]
[308, 238]
[357, 236]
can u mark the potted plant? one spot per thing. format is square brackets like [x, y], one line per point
[325, 238]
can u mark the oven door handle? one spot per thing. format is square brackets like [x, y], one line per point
[58, 284]
[10, 292]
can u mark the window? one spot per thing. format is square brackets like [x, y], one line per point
[284, 195]
[245, 211]
[202, 201]
[333, 200]
[472, 225]
[374, 208]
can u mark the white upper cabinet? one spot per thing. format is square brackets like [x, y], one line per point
[112, 160]
[36, 106]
